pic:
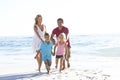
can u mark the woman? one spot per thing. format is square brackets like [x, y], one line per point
[39, 30]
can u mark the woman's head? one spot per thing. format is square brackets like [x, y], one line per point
[38, 19]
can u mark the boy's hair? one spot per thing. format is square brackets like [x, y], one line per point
[47, 34]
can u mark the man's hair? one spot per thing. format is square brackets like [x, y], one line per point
[60, 19]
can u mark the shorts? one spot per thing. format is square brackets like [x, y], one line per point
[48, 62]
[59, 56]
[68, 54]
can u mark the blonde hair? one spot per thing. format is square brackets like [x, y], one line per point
[36, 18]
[63, 36]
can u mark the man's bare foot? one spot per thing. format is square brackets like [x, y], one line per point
[63, 68]
[56, 67]
[68, 65]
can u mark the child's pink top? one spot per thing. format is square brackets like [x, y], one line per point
[60, 49]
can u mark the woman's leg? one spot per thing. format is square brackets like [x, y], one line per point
[39, 59]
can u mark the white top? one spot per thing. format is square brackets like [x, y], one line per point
[36, 40]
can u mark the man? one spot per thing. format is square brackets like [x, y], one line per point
[58, 30]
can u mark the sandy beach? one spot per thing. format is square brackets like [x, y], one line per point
[82, 68]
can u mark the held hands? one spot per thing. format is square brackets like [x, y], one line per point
[53, 41]
[53, 53]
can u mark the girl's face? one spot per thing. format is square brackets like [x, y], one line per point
[61, 37]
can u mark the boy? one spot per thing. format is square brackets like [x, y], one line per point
[46, 51]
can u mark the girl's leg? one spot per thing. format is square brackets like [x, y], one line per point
[56, 63]
[61, 63]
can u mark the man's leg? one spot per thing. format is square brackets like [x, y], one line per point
[68, 57]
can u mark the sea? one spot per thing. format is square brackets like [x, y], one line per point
[92, 45]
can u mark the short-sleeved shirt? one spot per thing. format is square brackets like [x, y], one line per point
[46, 49]
[64, 30]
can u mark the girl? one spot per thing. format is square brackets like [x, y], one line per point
[61, 50]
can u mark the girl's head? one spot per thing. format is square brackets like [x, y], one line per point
[61, 37]
[38, 19]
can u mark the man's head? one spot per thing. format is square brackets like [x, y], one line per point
[60, 21]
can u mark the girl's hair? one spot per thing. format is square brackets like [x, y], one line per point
[36, 18]
[60, 19]
[63, 35]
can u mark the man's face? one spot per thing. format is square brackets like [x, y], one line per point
[59, 23]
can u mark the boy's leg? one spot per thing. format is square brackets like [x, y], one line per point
[46, 65]
[49, 64]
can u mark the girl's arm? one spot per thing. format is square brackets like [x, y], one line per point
[55, 49]
[35, 30]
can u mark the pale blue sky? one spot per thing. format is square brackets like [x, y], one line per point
[80, 16]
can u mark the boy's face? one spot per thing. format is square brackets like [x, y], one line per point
[47, 38]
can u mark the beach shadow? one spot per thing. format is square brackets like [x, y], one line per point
[21, 76]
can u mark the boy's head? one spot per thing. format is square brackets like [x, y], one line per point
[47, 37]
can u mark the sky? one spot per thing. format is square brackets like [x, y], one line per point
[82, 17]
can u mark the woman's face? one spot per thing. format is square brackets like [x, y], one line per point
[39, 19]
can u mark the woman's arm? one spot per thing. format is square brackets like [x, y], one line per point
[35, 30]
